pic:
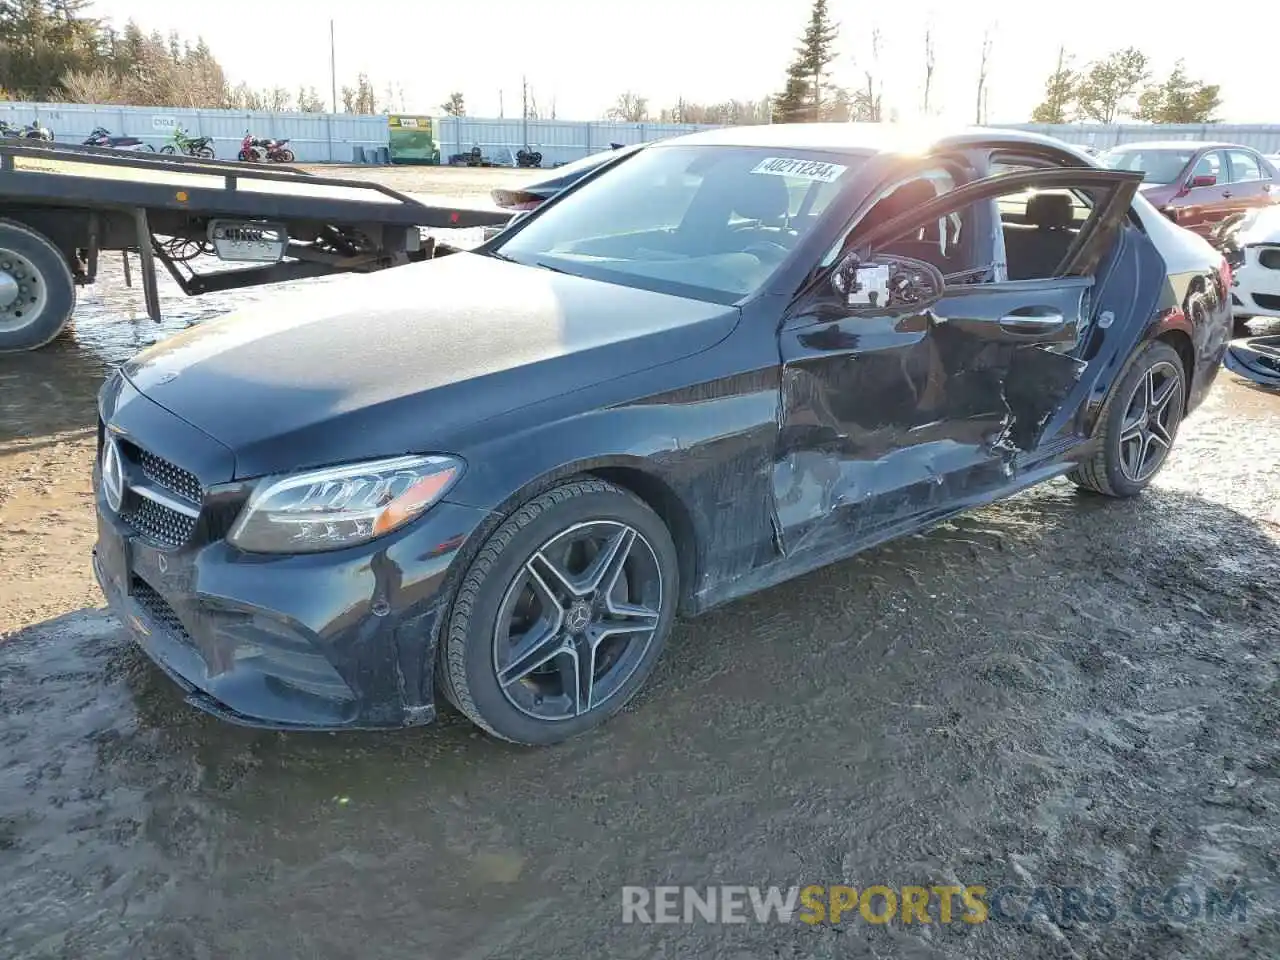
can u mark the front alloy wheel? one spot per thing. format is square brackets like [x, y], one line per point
[562, 615]
[578, 619]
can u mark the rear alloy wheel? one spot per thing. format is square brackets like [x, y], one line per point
[1139, 424]
[562, 615]
[37, 290]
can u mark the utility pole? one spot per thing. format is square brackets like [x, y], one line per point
[333, 68]
[500, 113]
[524, 110]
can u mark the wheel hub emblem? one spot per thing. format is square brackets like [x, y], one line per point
[578, 617]
[112, 475]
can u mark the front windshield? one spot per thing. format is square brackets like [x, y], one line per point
[710, 222]
[1158, 166]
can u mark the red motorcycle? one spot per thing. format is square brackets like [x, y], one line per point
[258, 149]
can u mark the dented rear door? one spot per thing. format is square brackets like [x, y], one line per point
[891, 420]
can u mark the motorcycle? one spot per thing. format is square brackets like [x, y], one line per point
[101, 137]
[191, 146]
[32, 131]
[258, 149]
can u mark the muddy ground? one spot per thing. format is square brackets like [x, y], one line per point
[1056, 690]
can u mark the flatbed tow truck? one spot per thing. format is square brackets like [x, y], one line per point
[63, 206]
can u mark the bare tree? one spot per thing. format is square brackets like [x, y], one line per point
[278, 100]
[869, 108]
[455, 106]
[629, 108]
[980, 109]
[928, 66]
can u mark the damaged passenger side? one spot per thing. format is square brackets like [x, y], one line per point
[922, 375]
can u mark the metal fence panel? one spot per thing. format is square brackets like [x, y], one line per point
[323, 137]
[559, 141]
[313, 137]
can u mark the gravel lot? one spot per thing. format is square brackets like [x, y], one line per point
[1056, 690]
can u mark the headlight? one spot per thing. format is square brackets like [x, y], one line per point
[341, 506]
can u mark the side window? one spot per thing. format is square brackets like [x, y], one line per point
[1210, 165]
[1244, 166]
[1038, 230]
[935, 242]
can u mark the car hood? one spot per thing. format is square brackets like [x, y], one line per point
[407, 360]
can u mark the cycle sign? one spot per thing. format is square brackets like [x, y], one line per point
[164, 123]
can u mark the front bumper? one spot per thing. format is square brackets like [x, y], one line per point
[341, 640]
[1256, 359]
[1255, 289]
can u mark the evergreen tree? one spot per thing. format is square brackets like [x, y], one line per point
[808, 95]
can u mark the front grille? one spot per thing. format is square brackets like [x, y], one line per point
[170, 476]
[158, 609]
[162, 525]
[1267, 301]
[1269, 257]
[158, 523]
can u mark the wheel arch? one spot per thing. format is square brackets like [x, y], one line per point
[1180, 340]
[636, 475]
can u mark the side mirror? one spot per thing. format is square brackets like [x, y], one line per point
[886, 283]
[1202, 180]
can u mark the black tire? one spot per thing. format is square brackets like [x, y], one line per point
[468, 656]
[286, 156]
[1108, 472]
[59, 293]
[205, 152]
[168, 148]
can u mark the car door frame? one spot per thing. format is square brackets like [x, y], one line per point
[820, 521]
[1258, 188]
[1202, 208]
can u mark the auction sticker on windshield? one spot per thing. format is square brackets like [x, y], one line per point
[805, 169]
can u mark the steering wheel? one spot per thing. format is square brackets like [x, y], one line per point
[768, 248]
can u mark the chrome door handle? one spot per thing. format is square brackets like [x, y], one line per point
[1032, 322]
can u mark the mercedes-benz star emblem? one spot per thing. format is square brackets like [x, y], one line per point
[112, 475]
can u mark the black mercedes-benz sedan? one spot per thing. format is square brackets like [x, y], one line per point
[723, 361]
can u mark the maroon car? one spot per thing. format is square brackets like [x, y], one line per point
[1198, 185]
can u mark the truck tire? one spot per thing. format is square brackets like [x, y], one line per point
[37, 290]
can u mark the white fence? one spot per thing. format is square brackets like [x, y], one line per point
[313, 137]
[342, 137]
[559, 141]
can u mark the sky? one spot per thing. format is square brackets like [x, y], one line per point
[583, 53]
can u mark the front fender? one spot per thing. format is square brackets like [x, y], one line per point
[702, 452]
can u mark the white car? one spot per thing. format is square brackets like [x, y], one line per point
[1254, 255]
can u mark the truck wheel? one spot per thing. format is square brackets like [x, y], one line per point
[37, 291]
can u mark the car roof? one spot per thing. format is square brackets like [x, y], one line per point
[865, 138]
[1178, 145]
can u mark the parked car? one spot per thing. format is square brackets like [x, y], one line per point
[1251, 242]
[726, 360]
[1197, 185]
